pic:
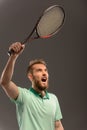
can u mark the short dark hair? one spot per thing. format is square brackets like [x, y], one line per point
[33, 62]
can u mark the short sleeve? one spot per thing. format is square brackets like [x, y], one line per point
[58, 114]
[20, 96]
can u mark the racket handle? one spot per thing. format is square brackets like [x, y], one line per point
[10, 52]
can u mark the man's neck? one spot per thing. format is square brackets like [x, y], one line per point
[39, 91]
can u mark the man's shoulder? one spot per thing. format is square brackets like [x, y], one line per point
[52, 95]
[24, 90]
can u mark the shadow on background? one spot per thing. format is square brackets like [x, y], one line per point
[65, 54]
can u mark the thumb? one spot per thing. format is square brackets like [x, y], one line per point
[23, 46]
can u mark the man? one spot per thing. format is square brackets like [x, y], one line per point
[36, 108]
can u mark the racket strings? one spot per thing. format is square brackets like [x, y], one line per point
[51, 21]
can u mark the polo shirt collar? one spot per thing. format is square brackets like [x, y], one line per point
[38, 94]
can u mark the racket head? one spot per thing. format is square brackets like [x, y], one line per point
[50, 22]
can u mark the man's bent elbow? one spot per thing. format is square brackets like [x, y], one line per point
[3, 83]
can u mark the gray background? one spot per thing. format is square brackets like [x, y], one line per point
[65, 54]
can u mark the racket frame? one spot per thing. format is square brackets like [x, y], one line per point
[30, 38]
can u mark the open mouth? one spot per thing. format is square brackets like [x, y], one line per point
[44, 79]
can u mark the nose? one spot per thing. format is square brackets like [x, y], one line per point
[44, 73]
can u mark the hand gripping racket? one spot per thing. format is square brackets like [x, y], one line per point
[48, 24]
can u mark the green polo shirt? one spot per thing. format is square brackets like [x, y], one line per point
[35, 112]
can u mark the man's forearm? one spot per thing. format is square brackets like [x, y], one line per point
[59, 128]
[8, 71]
[58, 125]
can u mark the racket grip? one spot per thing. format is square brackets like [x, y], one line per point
[10, 52]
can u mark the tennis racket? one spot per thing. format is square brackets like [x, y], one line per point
[48, 24]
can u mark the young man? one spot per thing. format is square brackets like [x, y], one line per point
[36, 108]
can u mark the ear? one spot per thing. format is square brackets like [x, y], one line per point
[30, 77]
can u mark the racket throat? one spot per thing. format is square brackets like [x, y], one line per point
[31, 37]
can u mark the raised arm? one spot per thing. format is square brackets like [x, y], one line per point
[6, 77]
